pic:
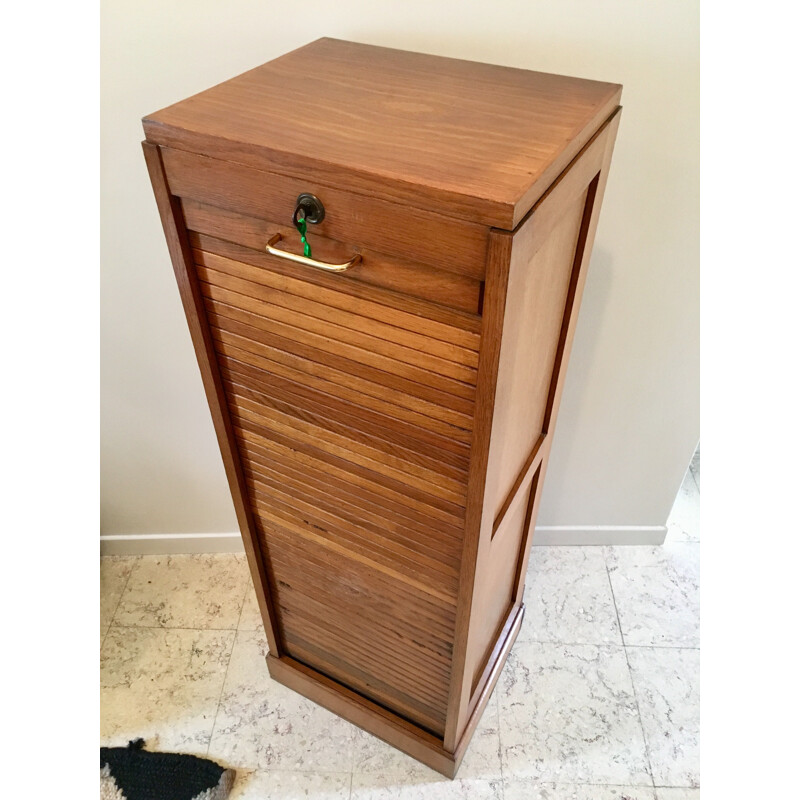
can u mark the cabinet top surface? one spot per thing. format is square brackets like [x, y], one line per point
[470, 140]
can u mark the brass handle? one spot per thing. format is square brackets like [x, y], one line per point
[309, 262]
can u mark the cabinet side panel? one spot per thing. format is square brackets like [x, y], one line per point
[545, 276]
[537, 294]
[538, 287]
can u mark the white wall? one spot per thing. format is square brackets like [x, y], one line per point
[629, 420]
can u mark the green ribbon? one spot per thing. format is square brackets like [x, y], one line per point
[301, 226]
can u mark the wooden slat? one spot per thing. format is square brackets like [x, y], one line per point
[327, 336]
[432, 319]
[327, 350]
[351, 628]
[400, 530]
[421, 626]
[318, 348]
[272, 513]
[355, 535]
[325, 606]
[378, 424]
[263, 435]
[354, 662]
[368, 596]
[271, 517]
[375, 327]
[430, 631]
[349, 428]
[373, 492]
[244, 348]
[282, 366]
[368, 655]
[301, 432]
[333, 611]
[389, 648]
[383, 662]
[390, 700]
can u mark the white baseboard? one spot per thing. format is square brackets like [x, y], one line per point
[174, 543]
[157, 544]
[599, 534]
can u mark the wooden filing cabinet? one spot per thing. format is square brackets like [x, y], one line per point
[385, 404]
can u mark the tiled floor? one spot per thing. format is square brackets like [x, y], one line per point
[599, 699]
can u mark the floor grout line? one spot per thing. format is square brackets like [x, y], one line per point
[630, 674]
[500, 741]
[227, 667]
[221, 692]
[537, 781]
[121, 595]
[172, 628]
[674, 786]
[608, 644]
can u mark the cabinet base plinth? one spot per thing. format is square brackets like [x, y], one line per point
[379, 721]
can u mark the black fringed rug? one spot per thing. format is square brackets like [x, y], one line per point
[132, 773]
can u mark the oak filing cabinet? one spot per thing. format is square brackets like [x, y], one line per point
[385, 399]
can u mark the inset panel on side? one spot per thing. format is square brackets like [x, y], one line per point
[537, 297]
[496, 592]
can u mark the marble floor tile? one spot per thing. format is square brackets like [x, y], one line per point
[667, 683]
[372, 756]
[185, 591]
[387, 765]
[114, 574]
[262, 784]
[568, 598]
[677, 794]
[683, 524]
[397, 787]
[263, 725]
[568, 715]
[250, 619]
[515, 789]
[656, 590]
[162, 685]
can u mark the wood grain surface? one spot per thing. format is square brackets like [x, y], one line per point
[386, 431]
[468, 140]
[376, 268]
[359, 509]
[533, 334]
